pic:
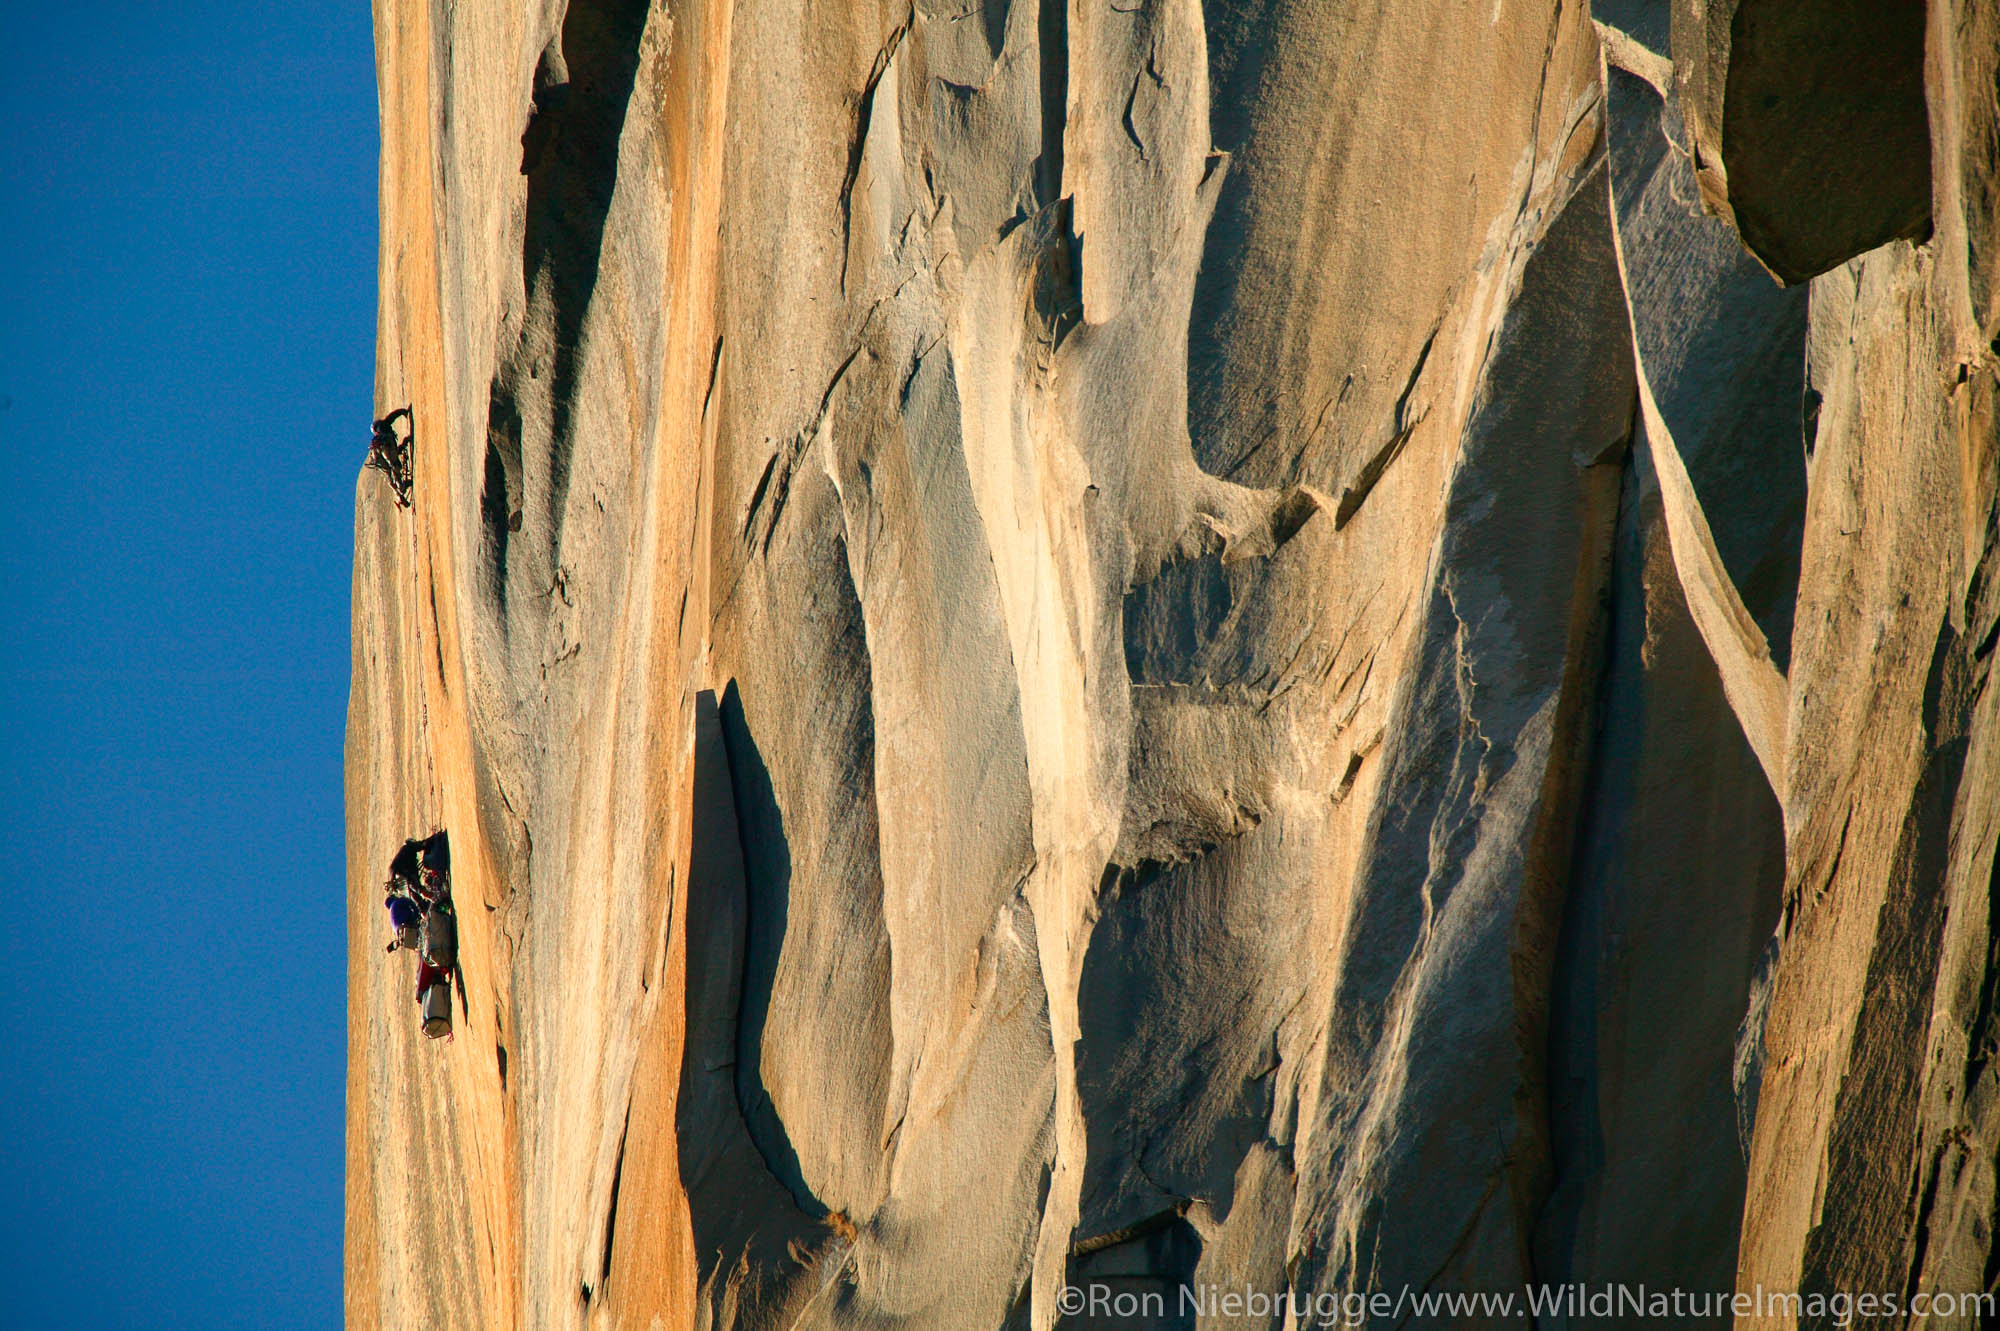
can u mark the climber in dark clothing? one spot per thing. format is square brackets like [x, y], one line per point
[403, 870]
[390, 455]
[423, 868]
[434, 866]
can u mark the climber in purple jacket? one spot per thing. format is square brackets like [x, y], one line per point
[404, 917]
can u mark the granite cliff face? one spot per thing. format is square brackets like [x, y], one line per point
[1189, 642]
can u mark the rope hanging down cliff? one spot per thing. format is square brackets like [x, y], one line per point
[394, 456]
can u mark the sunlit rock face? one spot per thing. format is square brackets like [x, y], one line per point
[1177, 646]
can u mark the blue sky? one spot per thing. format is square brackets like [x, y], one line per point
[188, 234]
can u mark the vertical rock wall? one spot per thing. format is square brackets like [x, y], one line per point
[1198, 642]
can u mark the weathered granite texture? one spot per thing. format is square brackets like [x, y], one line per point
[1220, 643]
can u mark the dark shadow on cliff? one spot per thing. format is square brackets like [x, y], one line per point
[1149, 1265]
[1239, 47]
[767, 880]
[1676, 874]
[569, 153]
[1880, 1108]
[739, 1208]
[500, 490]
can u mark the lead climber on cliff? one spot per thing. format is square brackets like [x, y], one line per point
[390, 454]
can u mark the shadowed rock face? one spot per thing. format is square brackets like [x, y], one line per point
[1200, 644]
[1808, 123]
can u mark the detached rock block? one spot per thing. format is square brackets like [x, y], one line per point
[1808, 124]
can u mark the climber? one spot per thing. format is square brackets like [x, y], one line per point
[423, 868]
[391, 455]
[404, 917]
[404, 871]
[419, 904]
[434, 866]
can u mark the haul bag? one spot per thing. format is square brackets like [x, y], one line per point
[437, 1009]
[440, 938]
